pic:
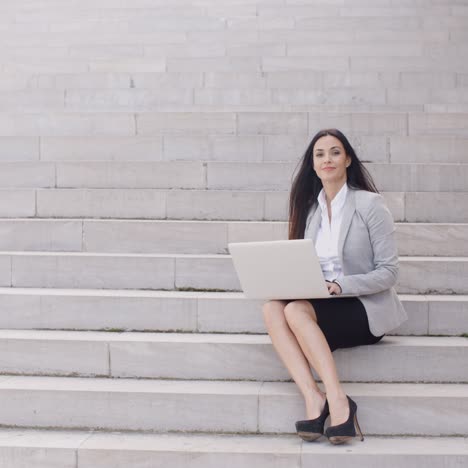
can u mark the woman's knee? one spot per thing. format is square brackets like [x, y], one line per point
[273, 311]
[298, 312]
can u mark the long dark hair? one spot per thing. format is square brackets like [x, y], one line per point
[307, 185]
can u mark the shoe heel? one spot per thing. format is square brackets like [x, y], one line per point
[357, 427]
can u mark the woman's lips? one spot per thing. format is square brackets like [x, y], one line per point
[328, 168]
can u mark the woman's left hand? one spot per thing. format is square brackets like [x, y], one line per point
[333, 288]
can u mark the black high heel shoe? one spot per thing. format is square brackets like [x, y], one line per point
[345, 431]
[311, 429]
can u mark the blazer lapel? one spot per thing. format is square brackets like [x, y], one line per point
[348, 212]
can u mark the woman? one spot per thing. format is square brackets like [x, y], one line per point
[334, 202]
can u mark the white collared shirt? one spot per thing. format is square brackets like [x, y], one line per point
[326, 243]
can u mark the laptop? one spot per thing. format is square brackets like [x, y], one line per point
[281, 269]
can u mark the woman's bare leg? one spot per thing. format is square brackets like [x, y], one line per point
[302, 320]
[287, 347]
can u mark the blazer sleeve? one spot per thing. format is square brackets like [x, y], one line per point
[381, 232]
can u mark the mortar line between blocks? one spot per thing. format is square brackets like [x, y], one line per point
[109, 360]
[258, 406]
[89, 435]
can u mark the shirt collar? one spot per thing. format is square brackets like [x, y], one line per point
[338, 201]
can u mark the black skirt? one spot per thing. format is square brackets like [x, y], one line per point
[344, 322]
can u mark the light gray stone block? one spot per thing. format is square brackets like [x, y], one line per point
[93, 271]
[132, 100]
[285, 147]
[431, 207]
[198, 450]
[154, 237]
[82, 81]
[230, 313]
[415, 80]
[137, 148]
[404, 64]
[50, 354]
[75, 124]
[360, 80]
[274, 64]
[36, 234]
[211, 204]
[428, 148]
[295, 80]
[99, 310]
[19, 148]
[131, 175]
[215, 64]
[251, 357]
[27, 174]
[137, 65]
[220, 80]
[205, 272]
[233, 97]
[32, 100]
[437, 239]
[361, 123]
[448, 315]
[101, 203]
[109, 52]
[255, 176]
[255, 123]
[276, 206]
[258, 24]
[5, 270]
[131, 404]
[186, 123]
[348, 96]
[17, 202]
[420, 177]
[405, 11]
[187, 50]
[167, 80]
[359, 23]
[256, 50]
[441, 124]
[237, 148]
[356, 49]
[382, 408]
[187, 147]
[39, 449]
[433, 275]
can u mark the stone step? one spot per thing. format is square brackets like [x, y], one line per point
[230, 123]
[246, 148]
[220, 357]
[417, 275]
[227, 148]
[39, 448]
[140, 100]
[222, 406]
[391, 177]
[196, 237]
[193, 204]
[203, 312]
[291, 80]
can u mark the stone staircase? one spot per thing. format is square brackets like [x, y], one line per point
[138, 138]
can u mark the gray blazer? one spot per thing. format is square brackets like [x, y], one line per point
[369, 258]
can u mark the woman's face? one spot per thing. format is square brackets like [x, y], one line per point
[330, 160]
